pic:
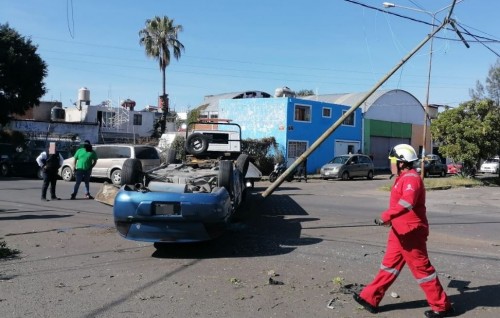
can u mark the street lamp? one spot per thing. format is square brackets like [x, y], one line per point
[426, 116]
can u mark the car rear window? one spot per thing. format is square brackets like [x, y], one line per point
[146, 153]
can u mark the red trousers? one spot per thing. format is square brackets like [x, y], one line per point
[408, 249]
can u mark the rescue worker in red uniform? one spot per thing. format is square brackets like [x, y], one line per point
[406, 243]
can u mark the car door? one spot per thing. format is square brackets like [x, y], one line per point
[99, 170]
[354, 166]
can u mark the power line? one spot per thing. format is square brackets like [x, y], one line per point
[476, 37]
[487, 47]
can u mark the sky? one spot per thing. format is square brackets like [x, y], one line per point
[328, 46]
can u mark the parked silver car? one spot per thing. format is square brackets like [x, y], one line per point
[348, 167]
[110, 161]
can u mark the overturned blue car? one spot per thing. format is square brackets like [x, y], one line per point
[183, 202]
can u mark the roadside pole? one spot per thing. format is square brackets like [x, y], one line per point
[332, 128]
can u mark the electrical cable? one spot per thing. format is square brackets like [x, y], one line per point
[71, 32]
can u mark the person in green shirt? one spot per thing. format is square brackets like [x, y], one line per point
[85, 159]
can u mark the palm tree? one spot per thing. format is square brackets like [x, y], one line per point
[159, 38]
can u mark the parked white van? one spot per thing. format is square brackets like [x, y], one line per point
[110, 159]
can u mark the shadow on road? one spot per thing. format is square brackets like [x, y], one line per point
[265, 227]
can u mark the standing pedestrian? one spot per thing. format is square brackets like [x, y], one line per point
[85, 159]
[407, 239]
[50, 161]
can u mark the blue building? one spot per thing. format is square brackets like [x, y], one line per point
[296, 124]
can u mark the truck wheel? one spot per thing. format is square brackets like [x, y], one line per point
[196, 144]
[225, 178]
[131, 172]
[242, 163]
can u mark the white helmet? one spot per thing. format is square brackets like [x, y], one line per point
[403, 152]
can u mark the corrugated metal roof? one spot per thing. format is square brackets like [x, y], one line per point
[351, 99]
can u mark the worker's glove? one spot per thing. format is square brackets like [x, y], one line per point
[379, 221]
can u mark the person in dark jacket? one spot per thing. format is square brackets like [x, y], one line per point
[50, 161]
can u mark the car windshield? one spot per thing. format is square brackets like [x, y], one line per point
[492, 160]
[340, 159]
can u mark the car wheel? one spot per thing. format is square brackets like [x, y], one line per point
[273, 176]
[131, 172]
[345, 176]
[242, 163]
[443, 174]
[225, 178]
[370, 175]
[116, 177]
[426, 174]
[67, 174]
[196, 144]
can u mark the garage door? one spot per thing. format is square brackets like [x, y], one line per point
[380, 148]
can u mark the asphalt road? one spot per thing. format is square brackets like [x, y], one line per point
[292, 254]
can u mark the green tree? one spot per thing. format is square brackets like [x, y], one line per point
[492, 86]
[469, 132]
[305, 92]
[159, 38]
[21, 74]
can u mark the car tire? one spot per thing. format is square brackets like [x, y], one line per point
[131, 172]
[196, 144]
[225, 177]
[443, 174]
[67, 174]
[345, 176]
[4, 170]
[370, 175]
[427, 174]
[242, 163]
[272, 177]
[116, 177]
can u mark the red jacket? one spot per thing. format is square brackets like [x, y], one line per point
[407, 210]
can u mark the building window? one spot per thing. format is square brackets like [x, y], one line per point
[349, 121]
[327, 112]
[203, 115]
[214, 115]
[137, 120]
[302, 113]
[296, 148]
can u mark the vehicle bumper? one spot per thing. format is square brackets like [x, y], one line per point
[191, 217]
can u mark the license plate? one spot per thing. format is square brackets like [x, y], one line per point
[167, 209]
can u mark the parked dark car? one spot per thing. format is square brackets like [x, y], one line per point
[19, 163]
[431, 167]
